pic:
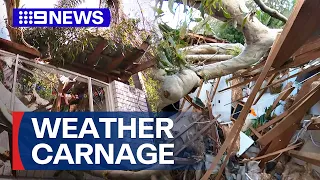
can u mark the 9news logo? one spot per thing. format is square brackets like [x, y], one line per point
[70, 17]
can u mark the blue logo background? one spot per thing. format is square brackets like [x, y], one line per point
[27, 140]
[25, 17]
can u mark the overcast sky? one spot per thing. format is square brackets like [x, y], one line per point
[131, 8]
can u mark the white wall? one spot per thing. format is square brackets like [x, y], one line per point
[219, 101]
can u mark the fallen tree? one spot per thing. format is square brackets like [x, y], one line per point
[259, 38]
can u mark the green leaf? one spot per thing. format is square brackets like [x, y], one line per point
[244, 21]
[158, 10]
[208, 28]
[201, 8]
[226, 14]
[183, 29]
[214, 4]
[198, 19]
[171, 41]
[170, 6]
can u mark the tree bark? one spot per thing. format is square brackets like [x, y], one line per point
[259, 38]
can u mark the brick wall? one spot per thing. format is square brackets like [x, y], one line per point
[127, 98]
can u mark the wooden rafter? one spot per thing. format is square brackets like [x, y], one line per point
[92, 58]
[140, 67]
[114, 64]
[311, 45]
[306, 57]
[17, 48]
[282, 96]
[305, 17]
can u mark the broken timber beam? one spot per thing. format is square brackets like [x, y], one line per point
[305, 14]
[309, 157]
[92, 58]
[215, 89]
[283, 95]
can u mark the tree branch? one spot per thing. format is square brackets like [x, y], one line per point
[272, 12]
[208, 58]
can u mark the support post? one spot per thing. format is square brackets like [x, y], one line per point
[106, 98]
[14, 84]
[90, 94]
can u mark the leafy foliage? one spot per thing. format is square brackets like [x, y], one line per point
[228, 32]
[68, 3]
[65, 44]
[152, 87]
[168, 55]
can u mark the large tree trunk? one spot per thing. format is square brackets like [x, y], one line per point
[259, 39]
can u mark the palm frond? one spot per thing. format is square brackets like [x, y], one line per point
[68, 3]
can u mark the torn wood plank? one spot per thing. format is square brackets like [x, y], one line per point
[143, 66]
[199, 89]
[215, 89]
[196, 136]
[309, 157]
[17, 48]
[214, 133]
[247, 81]
[306, 14]
[283, 95]
[275, 153]
[226, 160]
[189, 99]
[255, 132]
[115, 63]
[305, 58]
[182, 104]
[294, 75]
[273, 121]
[93, 58]
[311, 45]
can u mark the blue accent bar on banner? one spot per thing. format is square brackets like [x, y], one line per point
[92, 141]
[56, 17]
